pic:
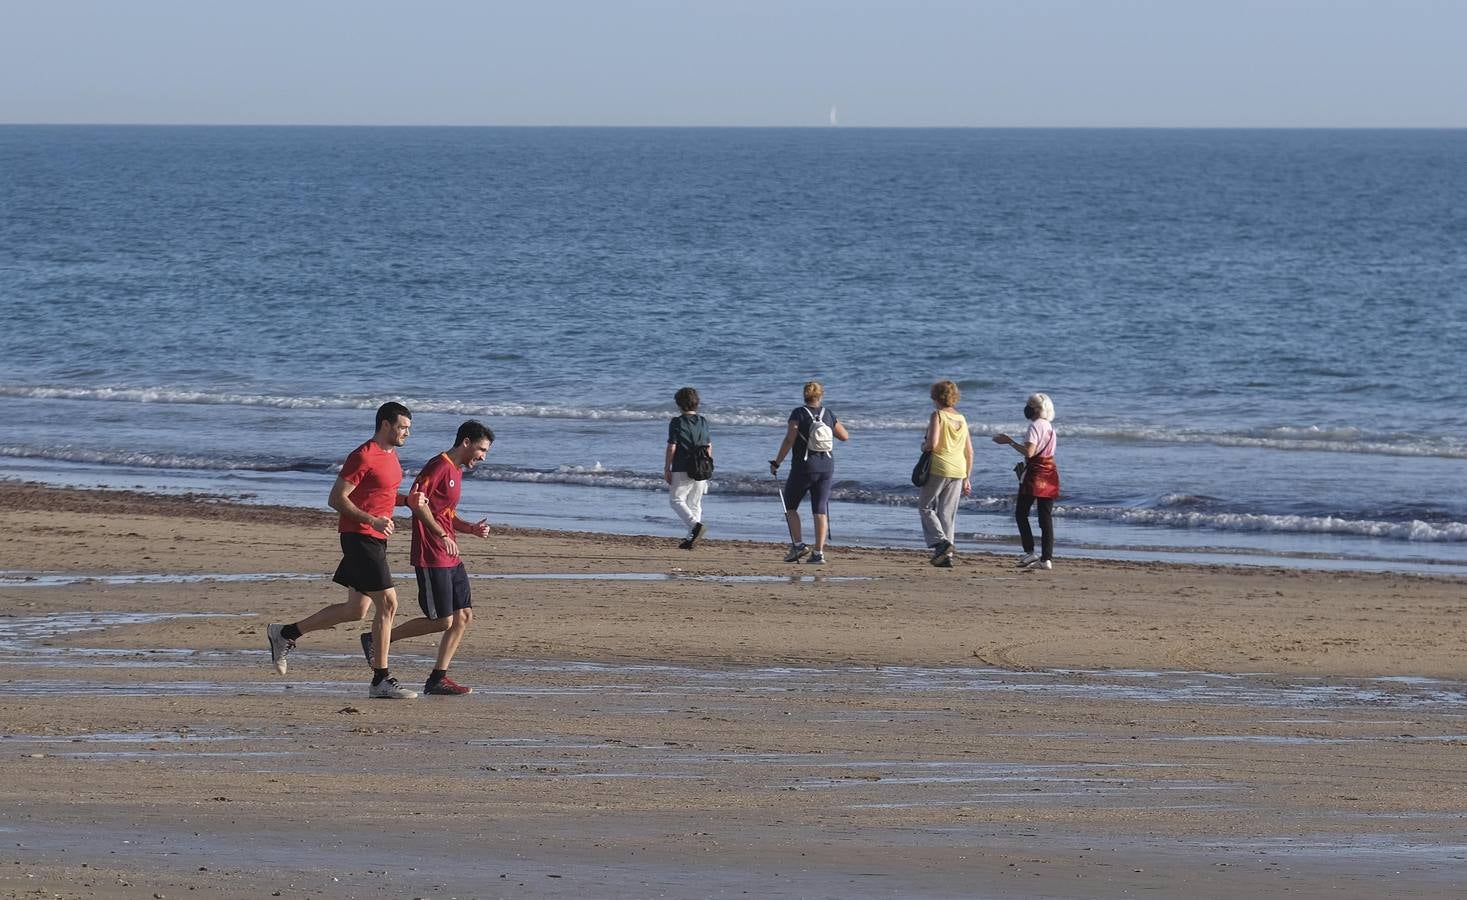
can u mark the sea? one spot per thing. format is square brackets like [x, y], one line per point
[1255, 340]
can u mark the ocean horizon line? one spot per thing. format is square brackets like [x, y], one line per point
[813, 126]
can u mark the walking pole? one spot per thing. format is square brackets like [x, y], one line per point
[779, 490]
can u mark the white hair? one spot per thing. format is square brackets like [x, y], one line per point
[1042, 405]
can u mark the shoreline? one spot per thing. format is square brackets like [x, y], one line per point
[224, 506]
[1089, 614]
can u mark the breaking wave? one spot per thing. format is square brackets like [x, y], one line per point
[1326, 439]
[143, 460]
[1183, 511]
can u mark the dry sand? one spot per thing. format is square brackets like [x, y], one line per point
[716, 722]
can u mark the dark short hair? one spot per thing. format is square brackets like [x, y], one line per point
[686, 399]
[391, 411]
[473, 431]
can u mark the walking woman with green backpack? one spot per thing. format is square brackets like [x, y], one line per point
[688, 464]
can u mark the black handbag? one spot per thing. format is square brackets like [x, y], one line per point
[923, 469]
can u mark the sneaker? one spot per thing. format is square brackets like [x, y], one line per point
[944, 562]
[1027, 559]
[389, 689]
[695, 534]
[279, 647]
[797, 553]
[447, 687]
[367, 646]
[942, 552]
[816, 559]
[1039, 565]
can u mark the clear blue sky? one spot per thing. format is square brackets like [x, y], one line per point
[737, 62]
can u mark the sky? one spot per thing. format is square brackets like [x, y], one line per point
[979, 63]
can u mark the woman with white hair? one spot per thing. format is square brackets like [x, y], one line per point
[1039, 481]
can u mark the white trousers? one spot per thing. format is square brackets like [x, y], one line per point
[687, 498]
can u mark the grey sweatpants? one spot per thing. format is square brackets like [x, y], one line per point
[938, 507]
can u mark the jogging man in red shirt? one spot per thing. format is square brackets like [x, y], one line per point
[443, 584]
[365, 493]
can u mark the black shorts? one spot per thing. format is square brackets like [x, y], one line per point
[363, 564]
[443, 591]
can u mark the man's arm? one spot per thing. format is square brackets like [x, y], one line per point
[340, 500]
[423, 512]
[478, 529]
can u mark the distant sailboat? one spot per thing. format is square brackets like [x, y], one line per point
[834, 119]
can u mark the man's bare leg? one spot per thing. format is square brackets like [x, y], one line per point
[451, 638]
[282, 638]
[452, 628]
[353, 610]
[385, 603]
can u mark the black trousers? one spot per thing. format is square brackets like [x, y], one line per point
[1046, 523]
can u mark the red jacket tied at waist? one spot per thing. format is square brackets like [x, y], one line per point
[1041, 478]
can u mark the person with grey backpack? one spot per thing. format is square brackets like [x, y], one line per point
[688, 464]
[810, 436]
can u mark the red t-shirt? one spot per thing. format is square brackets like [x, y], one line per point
[439, 480]
[376, 475]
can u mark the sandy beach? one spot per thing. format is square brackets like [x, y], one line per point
[651, 722]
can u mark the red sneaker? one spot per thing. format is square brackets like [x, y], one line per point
[447, 687]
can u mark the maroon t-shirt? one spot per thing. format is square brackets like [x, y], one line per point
[439, 480]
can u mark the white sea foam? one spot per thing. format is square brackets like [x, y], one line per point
[1332, 439]
[1184, 511]
[1172, 511]
[1288, 438]
[1414, 530]
[142, 460]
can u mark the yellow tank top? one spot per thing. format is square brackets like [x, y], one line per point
[948, 459]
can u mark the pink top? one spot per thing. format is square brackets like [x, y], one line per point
[1041, 435]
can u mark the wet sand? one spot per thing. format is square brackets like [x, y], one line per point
[714, 723]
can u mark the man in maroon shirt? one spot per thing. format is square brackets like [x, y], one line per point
[365, 493]
[443, 584]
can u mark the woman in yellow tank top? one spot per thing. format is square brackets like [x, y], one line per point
[952, 465]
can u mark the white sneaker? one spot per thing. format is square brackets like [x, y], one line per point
[1039, 565]
[279, 647]
[1027, 559]
[389, 689]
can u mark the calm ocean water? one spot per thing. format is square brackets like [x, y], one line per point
[1254, 339]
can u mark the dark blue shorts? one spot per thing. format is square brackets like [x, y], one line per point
[442, 591]
[816, 484]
